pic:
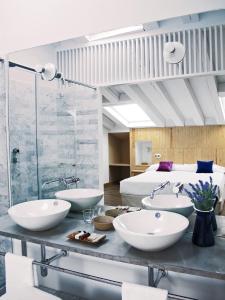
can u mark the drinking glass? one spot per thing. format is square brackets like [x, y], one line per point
[98, 211]
[88, 215]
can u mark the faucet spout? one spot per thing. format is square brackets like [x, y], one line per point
[160, 187]
[178, 188]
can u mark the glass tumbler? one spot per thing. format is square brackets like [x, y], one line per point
[88, 215]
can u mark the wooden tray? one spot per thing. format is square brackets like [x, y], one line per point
[99, 238]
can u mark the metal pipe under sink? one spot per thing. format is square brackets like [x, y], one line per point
[45, 264]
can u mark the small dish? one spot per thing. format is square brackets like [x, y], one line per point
[93, 238]
[103, 223]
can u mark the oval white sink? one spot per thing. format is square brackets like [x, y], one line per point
[39, 215]
[151, 230]
[181, 205]
[80, 199]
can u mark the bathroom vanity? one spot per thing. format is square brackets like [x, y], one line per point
[183, 257]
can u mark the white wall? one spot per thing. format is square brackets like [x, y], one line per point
[34, 56]
[30, 58]
[25, 24]
[105, 146]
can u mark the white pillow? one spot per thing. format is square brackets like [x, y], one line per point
[185, 167]
[219, 169]
[190, 168]
[178, 167]
[153, 167]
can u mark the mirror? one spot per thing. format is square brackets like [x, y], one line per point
[143, 153]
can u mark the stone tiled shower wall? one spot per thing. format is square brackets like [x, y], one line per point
[68, 123]
[69, 129]
[5, 244]
[88, 130]
[22, 130]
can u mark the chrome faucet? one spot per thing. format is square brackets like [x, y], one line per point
[59, 180]
[71, 180]
[178, 188]
[160, 187]
[65, 180]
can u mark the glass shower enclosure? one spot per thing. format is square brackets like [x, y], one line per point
[49, 132]
[53, 134]
[42, 136]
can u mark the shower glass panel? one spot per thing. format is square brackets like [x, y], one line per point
[5, 244]
[42, 136]
[54, 134]
[22, 135]
[56, 151]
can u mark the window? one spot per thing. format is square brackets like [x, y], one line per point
[130, 115]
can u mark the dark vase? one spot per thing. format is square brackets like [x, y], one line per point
[214, 223]
[203, 230]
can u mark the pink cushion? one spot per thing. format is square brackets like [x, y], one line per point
[165, 166]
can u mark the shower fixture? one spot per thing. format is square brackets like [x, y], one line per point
[173, 52]
[48, 72]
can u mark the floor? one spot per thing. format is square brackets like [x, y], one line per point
[112, 194]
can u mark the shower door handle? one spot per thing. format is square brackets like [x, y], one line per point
[15, 153]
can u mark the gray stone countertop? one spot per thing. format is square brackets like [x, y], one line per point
[183, 257]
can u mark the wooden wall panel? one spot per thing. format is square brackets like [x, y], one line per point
[159, 137]
[183, 144]
[191, 155]
[187, 137]
[176, 155]
[119, 149]
[207, 153]
[114, 155]
[220, 156]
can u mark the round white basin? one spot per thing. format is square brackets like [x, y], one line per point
[151, 230]
[81, 199]
[181, 204]
[39, 215]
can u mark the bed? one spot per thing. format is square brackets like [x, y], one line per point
[135, 188]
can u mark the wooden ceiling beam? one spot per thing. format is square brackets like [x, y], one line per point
[138, 97]
[109, 95]
[195, 108]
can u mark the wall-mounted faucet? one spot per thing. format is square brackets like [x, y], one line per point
[71, 180]
[65, 180]
[160, 187]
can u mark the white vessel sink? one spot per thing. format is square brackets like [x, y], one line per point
[151, 230]
[181, 205]
[39, 215]
[81, 199]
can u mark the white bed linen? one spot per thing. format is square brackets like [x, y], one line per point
[143, 184]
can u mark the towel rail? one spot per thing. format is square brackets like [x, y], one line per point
[101, 279]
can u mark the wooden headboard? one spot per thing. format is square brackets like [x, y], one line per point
[182, 144]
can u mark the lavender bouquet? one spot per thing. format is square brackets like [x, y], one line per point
[204, 195]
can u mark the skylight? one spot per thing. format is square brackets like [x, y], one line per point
[108, 34]
[130, 115]
[222, 103]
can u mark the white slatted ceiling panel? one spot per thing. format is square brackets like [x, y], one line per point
[140, 59]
